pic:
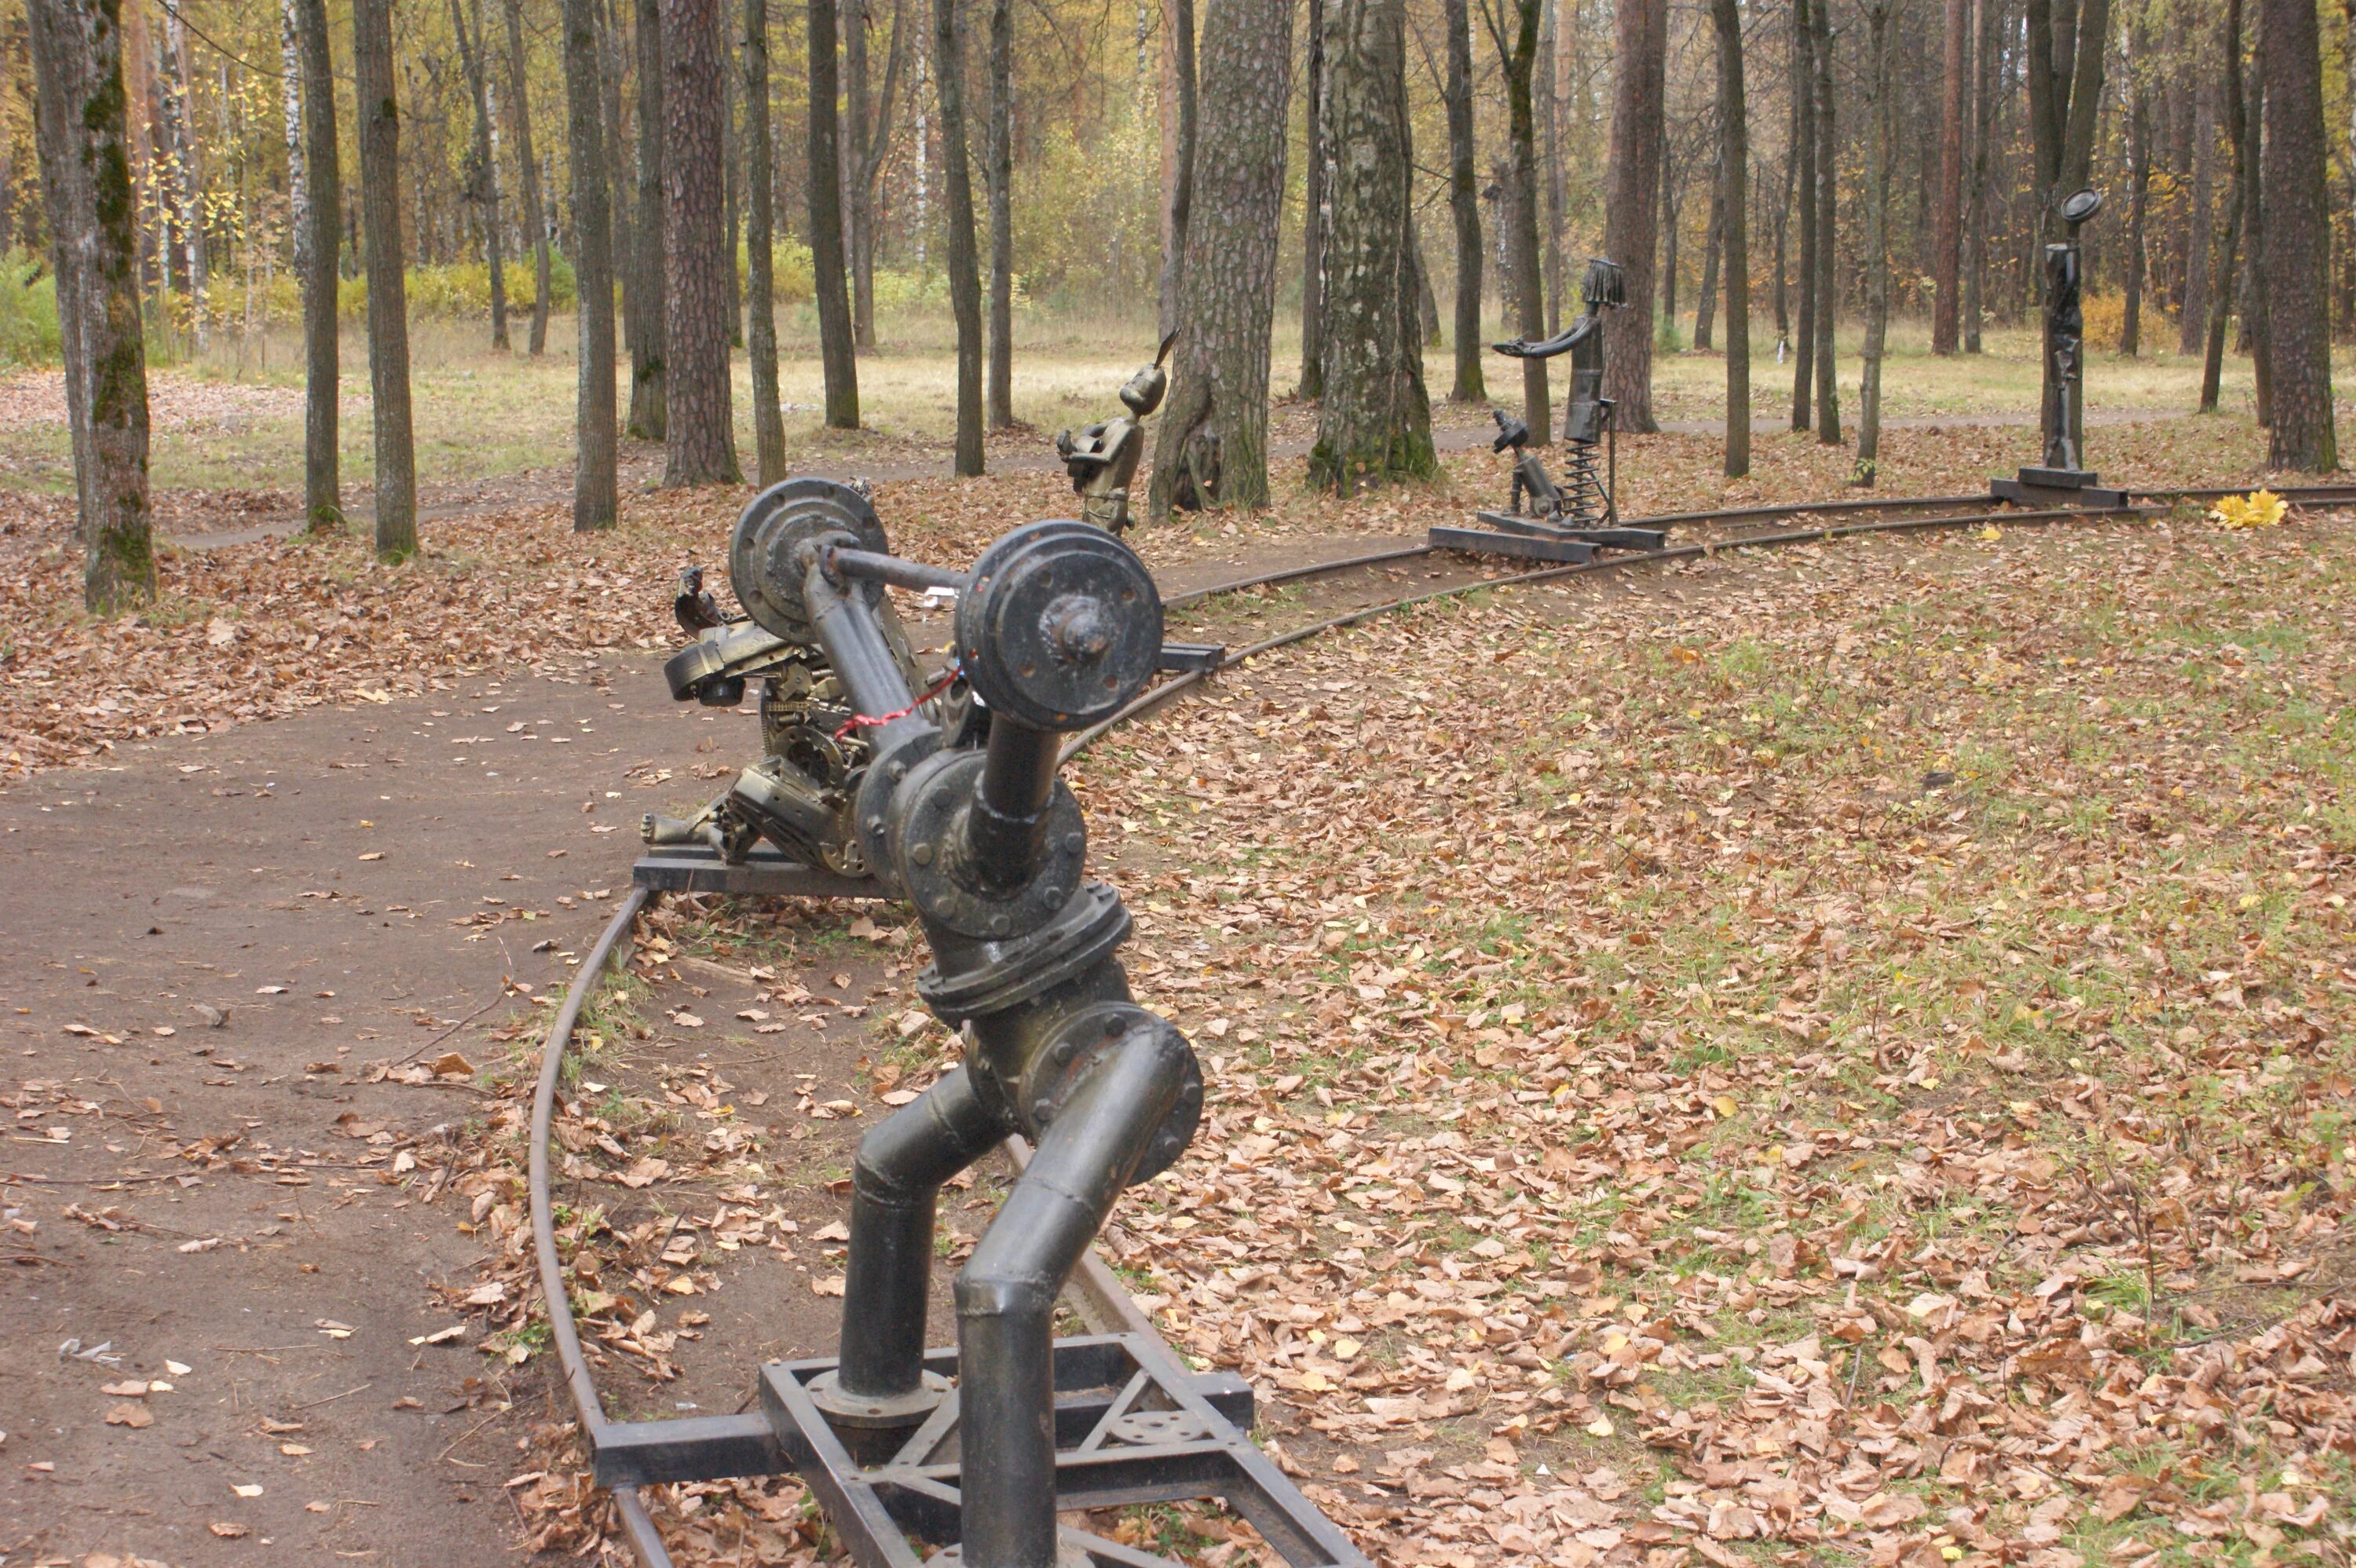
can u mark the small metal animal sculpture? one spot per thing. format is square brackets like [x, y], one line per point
[1102, 459]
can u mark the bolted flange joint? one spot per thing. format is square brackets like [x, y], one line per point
[1060, 626]
[1055, 1071]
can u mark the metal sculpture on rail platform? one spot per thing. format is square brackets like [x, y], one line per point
[956, 807]
[2062, 481]
[1573, 521]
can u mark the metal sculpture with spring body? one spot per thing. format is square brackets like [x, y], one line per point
[1571, 520]
[961, 813]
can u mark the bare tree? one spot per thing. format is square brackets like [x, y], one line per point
[1464, 206]
[1946, 244]
[1517, 37]
[1734, 165]
[1374, 425]
[698, 437]
[998, 168]
[595, 473]
[2137, 264]
[2237, 202]
[387, 291]
[535, 217]
[965, 278]
[1214, 434]
[1985, 62]
[649, 406]
[1315, 178]
[1178, 198]
[2297, 286]
[482, 171]
[1820, 87]
[2192, 326]
[760, 233]
[83, 140]
[836, 350]
[1879, 16]
[1631, 208]
[621, 172]
[323, 501]
[870, 130]
[1804, 144]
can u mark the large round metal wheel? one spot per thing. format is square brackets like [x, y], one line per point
[1060, 626]
[762, 564]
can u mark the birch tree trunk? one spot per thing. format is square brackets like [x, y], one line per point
[535, 217]
[836, 350]
[388, 289]
[322, 500]
[1464, 206]
[1214, 431]
[760, 232]
[1374, 425]
[595, 475]
[699, 436]
[965, 276]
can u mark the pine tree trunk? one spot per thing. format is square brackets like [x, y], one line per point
[1178, 196]
[1315, 177]
[482, 174]
[760, 233]
[323, 499]
[1946, 244]
[387, 291]
[1878, 156]
[1374, 425]
[595, 475]
[729, 153]
[1520, 63]
[698, 437]
[2237, 201]
[81, 128]
[535, 217]
[1820, 72]
[1214, 427]
[1464, 203]
[1734, 162]
[1631, 208]
[837, 347]
[649, 411]
[964, 270]
[2298, 230]
[998, 167]
[1804, 134]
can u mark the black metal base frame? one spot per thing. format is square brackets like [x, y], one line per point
[2058, 488]
[1133, 1426]
[1538, 539]
[764, 873]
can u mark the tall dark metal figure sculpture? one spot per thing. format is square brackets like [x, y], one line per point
[1569, 522]
[956, 809]
[2062, 481]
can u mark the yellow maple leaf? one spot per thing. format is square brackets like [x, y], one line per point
[2258, 510]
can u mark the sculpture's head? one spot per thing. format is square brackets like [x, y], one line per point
[2079, 205]
[1606, 283]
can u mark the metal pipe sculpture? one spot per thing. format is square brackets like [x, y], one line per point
[1102, 459]
[2060, 480]
[961, 813]
[1569, 522]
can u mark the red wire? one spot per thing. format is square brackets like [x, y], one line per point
[862, 721]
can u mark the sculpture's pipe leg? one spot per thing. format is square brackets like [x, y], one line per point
[895, 1184]
[1006, 1297]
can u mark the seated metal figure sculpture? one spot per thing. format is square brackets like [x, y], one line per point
[1057, 625]
[2062, 481]
[1569, 522]
[1102, 459]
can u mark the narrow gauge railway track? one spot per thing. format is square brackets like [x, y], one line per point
[1094, 1293]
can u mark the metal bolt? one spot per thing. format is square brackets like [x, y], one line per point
[1000, 925]
[898, 770]
[1043, 1114]
[1074, 842]
[921, 853]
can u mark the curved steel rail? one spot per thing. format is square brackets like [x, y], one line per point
[1100, 1296]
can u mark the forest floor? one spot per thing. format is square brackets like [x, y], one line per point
[1887, 1102]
